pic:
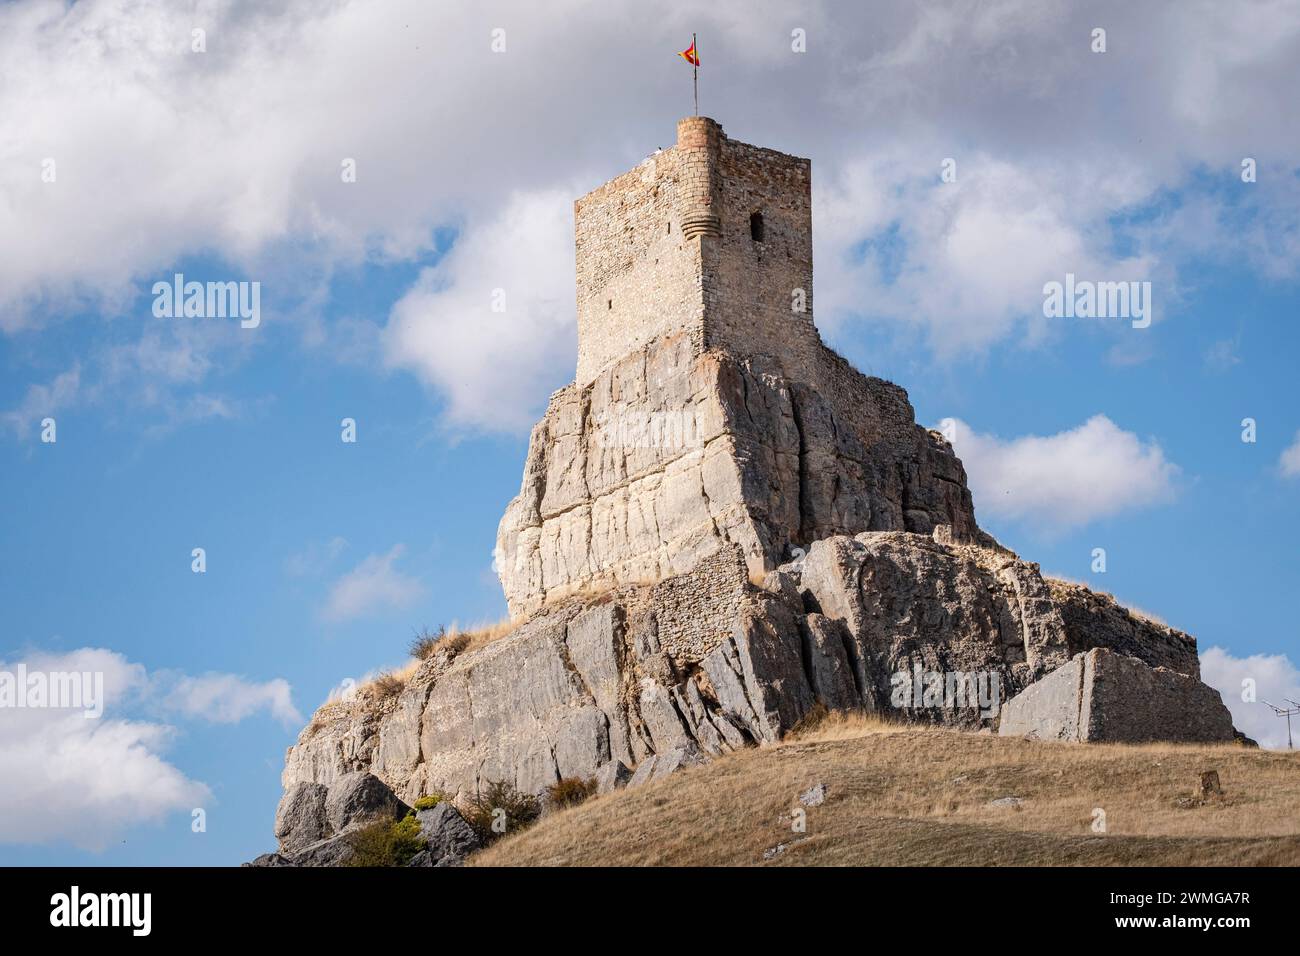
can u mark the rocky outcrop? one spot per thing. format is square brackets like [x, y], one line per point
[723, 527]
[1104, 696]
[671, 453]
[582, 684]
[643, 680]
[1097, 620]
[448, 838]
[314, 819]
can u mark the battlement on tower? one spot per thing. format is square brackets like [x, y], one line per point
[710, 239]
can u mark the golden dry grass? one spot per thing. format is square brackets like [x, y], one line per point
[463, 641]
[908, 796]
[482, 634]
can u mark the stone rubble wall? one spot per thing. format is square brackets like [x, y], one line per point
[1097, 620]
[1105, 696]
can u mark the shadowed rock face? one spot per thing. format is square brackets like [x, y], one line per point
[671, 453]
[707, 662]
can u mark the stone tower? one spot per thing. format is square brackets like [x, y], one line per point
[705, 409]
[711, 237]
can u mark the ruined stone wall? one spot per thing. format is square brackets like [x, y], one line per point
[750, 283]
[696, 612]
[668, 247]
[637, 276]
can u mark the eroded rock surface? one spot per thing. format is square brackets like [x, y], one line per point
[655, 677]
[671, 452]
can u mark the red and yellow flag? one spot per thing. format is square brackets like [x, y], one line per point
[689, 55]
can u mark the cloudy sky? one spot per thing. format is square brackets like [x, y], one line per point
[133, 148]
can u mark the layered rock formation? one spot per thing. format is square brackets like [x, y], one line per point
[722, 527]
[671, 453]
[706, 662]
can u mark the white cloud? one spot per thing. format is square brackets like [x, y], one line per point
[494, 365]
[965, 261]
[372, 585]
[41, 401]
[1290, 460]
[1051, 141]
[1275, 679]
[1061, 481]
[86, 780]
[316, 557]
[228, 699]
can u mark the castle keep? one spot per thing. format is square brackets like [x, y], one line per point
[722, 528]
[711, 238]
[705, 409]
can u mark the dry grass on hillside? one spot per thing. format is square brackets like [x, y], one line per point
[908, 796]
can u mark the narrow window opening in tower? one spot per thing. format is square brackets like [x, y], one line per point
[756, 226]
[670, 227]
[611, 305]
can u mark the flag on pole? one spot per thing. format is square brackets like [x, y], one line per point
[693, 58]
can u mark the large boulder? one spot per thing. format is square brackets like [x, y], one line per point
[450, 839]
[612, 776]
[356, 799]
[300, 818]
[1102, 696]
[312, 816]
[335, 851]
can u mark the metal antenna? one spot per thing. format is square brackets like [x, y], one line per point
[1288, 713]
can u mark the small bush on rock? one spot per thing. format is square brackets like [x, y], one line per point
[388, 685]
[569, 791]
[386, 843]
[426, 641]
[429, 802]
[498, 809]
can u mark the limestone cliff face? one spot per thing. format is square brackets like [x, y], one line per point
[670, 453]
[706, 662]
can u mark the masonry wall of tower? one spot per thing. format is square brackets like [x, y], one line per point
[758, 270]
[637, 277]
[711, 238]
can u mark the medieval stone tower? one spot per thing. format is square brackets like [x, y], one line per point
[711, 237]
[705, 410]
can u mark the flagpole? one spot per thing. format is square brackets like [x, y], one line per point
[696, 65]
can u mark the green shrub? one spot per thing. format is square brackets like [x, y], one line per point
[386, 843]
[570, 791]
[498, 809]
[429, 802]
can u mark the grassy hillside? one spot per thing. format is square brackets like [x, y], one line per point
[921, 797]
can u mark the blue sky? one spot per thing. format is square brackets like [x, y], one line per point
[323, 556]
